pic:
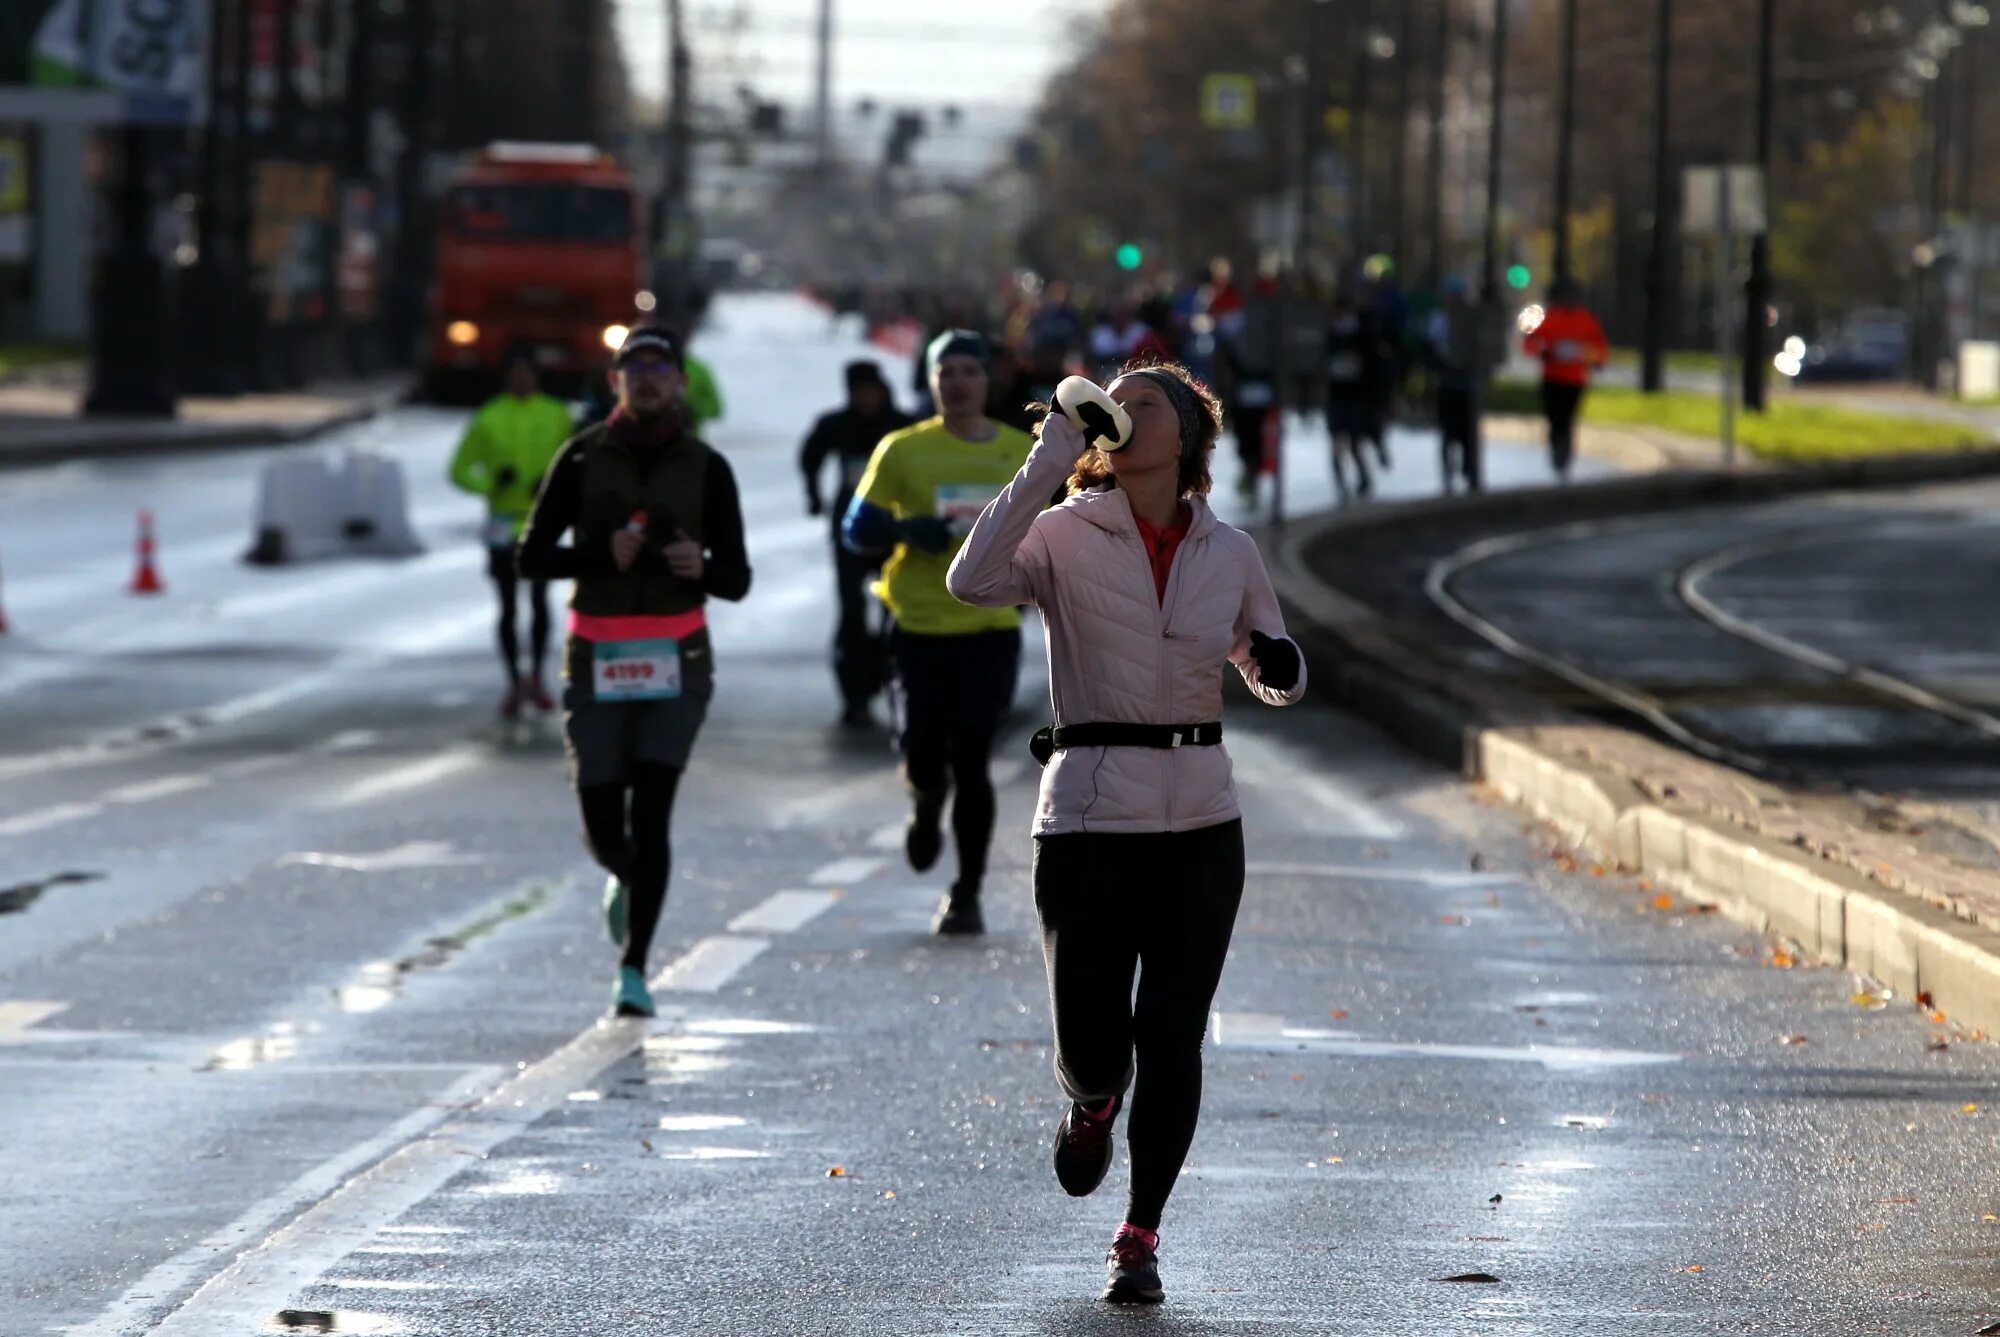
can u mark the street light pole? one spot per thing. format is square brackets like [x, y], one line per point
[1756, 325]
[1495, 145]
[1653, 362]
[1357, 128]
[823, 96]
[1565, 139]
[1434, 224]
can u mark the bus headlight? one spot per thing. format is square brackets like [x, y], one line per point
[614, 336]
[461, 333]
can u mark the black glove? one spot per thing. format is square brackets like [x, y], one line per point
[1277, 661]
[925, 533]
[505, 478]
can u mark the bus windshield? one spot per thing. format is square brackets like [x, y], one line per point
[542, 213]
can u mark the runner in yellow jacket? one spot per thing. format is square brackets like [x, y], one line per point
[506, 450]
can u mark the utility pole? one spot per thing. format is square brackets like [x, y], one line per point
[1565, 139]
[1434, 224]
[1757, 293]
[1399, 144]
[1495, 147]
[1359, 34]
[1653, 368]
[670, 260]
[1968, 181]
[1932, 307]
[211, 332]
[1292, 288]
[406, 328]
[823, 97]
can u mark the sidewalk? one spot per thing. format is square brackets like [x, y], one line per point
[41, 419]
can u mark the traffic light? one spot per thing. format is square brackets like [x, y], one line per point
[1130, 256]
[1518, 277]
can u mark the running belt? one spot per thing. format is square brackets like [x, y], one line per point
[1047, 742]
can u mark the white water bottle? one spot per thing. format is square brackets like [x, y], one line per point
[1095, 413]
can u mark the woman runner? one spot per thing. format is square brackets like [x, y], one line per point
[1139, 860]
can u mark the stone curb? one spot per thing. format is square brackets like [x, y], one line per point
[1833, 912]
[104, 440]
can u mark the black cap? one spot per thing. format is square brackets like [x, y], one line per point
[649, 339]
[864, 372]
[957, 343]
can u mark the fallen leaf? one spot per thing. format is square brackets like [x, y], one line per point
[644, 1143]
[1990, 1217]
[888, 1192]
[1694, 1267]
[1455, 921]
[1924, 998]
[837, 1172]
[1968, 1108]
[1480, 863]
[1663, 902]
[1937, 1046]
[1338, 1014]
[1597, 870]
[1794, 1040]
[1645, 885]
[1494, 1200]
[1476, 1278]
[1937, 1018]
[1336, 1160]
[1298, 1077]
[1783, 960]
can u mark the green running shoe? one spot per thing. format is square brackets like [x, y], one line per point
[631, 998]
[617, 911]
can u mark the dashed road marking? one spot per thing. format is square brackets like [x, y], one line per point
[41, 819]
[710, 964]
[402, 779]
[846, 870]
[783, 912]
[167, 786]
[1269, 1034]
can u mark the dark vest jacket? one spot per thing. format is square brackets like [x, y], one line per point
[619, 479]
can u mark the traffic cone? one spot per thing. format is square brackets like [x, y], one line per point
[146, 580]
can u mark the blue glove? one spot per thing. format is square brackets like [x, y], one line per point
[925, 533]
[1277, 661]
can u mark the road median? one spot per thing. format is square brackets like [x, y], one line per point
[1838, 875]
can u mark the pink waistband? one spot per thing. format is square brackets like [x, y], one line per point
[674, 627]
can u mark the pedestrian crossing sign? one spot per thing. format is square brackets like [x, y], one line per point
[1228, 101]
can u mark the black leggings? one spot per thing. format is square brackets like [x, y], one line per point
[956, 692]
[626, 828]
[1161, 906]
[508, 585]
[1560, 404]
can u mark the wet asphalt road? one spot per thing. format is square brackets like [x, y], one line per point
[325, 908]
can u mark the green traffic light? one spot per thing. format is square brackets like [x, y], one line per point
[1130, 256]
[1518, 277]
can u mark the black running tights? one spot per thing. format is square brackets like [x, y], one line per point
[1161, 907]
[508, 585]
[626, 827]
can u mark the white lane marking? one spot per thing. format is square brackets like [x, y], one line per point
[41, 819]
[185, 1269]
[130, 742]
[709, 964]
[1276, 763]
[149, 791]
[783, 912]
[415, 854]
[889, 837]
[245, 1295]
[1381, 873]
[402, 779]
[19, 1015]
[846, 870]
[1269, 1034]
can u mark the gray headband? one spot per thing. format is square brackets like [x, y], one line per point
[1195, 421]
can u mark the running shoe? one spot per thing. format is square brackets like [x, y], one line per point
[1083, 1149]
[617, 911]
[958, 915]
[1135, 1273]
[631, 998]
[923, 839]
[856, 715]
[510, 703]
[538, 696]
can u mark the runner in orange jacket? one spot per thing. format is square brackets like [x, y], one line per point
[1570, 345]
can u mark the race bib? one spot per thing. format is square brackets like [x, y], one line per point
[636, 670]
[1254, 394]
[959, 504]
[1569, 350]
[1344, 366]
[500, 530]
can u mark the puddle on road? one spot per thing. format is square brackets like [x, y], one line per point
[715, 1154]
[379, 983]
[333, 1320]
[278, 1043]
[15, 899]
[1269, 1034]
[521, 1184]
[748, 1026]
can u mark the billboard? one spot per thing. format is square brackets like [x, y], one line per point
[149, 55]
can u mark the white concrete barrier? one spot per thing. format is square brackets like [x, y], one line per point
[311, 507]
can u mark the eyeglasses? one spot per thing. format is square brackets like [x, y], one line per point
[648, 367]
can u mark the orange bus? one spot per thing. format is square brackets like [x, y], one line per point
[540, 247]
